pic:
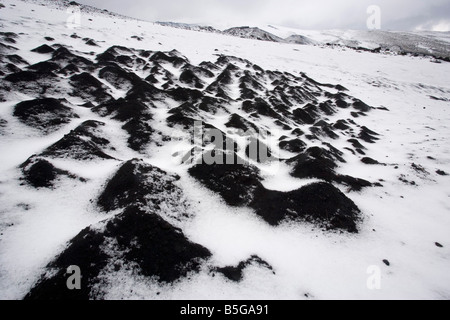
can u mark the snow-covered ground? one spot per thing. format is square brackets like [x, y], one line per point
[401, 222]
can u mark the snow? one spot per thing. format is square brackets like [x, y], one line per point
[36, 225]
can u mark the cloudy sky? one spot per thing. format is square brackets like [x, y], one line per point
[304, 14]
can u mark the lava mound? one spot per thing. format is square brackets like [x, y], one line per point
[86, 142]
[40, 173]
[89, 88]
[140, 184]
[318, 203]
[135, 240]
[46, 115]
[136, 116]
[236, 273]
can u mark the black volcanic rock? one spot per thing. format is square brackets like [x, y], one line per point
[341, 104]
[16, 59]
[152, 246]
[39, 173]
[92, 43]
[321, 164]
[322, 128]
[139, 184]
[260, 107]
[29, 77]
[369, 161]
[314, 163]
[69, 70]
[9, 68]
[47, 115]
[124, 110]
[43, 49]
[356, 144]
[304, 117]
[319, 203]
[237, 122]
[361, 106]
[248, 81]
[64, 56]
[146, 93]
[44, 67]
[201, 71]
[88, 87]
[118, 77]
[235, 273]
[294, 146]
[327, 108]
[5, 49]
[190, 78]
[213, 105]
[161, 57]
[86, 142]
[368, 135]
[341, 125]
[235, 183]
[136, 116]
[185, 94]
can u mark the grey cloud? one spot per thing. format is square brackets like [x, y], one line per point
[307, 14]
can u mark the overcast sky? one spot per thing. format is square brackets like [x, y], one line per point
[304, 14]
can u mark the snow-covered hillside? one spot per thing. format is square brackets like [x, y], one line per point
[252, 33]
[425, 43]
[100, 165]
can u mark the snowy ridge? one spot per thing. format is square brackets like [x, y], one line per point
[99, 168]
[193, 27]
[253, 33]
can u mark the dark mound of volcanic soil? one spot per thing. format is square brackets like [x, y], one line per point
[320, 163]
[137, 183]
[234, 182]
[260, 108]
[136, 116]
[318, 203]
[119, 78]
[47, 115]
[190, 78]
[236, 273]
[8, 69]
[294, 146]
[43, 49]
[63, 56]
[89, 88]
[172, 58]
[368, 135]
[16, 59]
[152, 246]
[237, 122]
[69, 70]
[30, 77]
[322, 128]
[40, 173]
[44, 66]
[86, 142]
